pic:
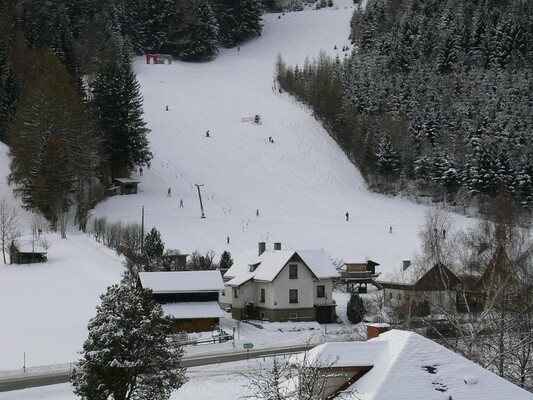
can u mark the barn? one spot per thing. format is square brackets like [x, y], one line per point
[190, 298]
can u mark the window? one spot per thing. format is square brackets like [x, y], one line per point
[293, 295]
[262, 296]
[236, 293]
[321, 291]
[293, 315]
[293, 271]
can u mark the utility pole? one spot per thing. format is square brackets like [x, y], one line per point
[325, 313]
[200, 196]
[142, 229]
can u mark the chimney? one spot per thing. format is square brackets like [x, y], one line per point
[277, 246]
[262, 247]
[374, 330]
[406, 264]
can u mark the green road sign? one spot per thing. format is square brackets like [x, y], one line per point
[248, 345]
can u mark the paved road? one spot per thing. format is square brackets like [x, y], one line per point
[34, 380]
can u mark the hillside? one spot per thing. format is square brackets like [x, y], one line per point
[302, 185]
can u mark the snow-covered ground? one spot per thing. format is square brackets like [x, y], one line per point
[302, 185]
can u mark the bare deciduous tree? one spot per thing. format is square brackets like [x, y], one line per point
[491, 319]
[9, 229]
[298, 377]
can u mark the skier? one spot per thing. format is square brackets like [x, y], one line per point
[181, 202]
[207, 134]
[166, 109]
[347, 216]
[141, 171]
[390, 229]
[257, 213]
[444, 233]
[227, 239]
[169, 192]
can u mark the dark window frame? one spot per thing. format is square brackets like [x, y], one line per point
[293, 271]
[293, 296]
[262, 295]
[318, 289]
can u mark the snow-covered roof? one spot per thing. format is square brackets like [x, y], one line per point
[30, 246]
[186, 310]
[182, 281]
[319, 262]
[406, 365]
[126, 180]
[271, 262]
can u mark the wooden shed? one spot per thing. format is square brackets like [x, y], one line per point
[124, 186]
[27, 253]
[190, 298]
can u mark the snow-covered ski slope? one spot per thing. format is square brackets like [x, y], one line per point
[302, 184]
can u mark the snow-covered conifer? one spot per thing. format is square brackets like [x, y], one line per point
[129, 353]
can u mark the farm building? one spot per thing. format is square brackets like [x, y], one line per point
[190, 298]
[27, 252]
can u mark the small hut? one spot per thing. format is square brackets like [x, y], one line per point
[27, 252]
[124, 186]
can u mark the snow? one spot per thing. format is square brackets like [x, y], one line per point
[182, 281]
[269, 264]
[182, 310]
[401, 372]
[30, 246]
[302, 185]
[406, 365]
[319, 262]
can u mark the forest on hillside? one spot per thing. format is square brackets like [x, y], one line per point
[436, 98]
[70, 105]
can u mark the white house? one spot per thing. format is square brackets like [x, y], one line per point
[280, 285]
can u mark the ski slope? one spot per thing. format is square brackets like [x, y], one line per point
[302, 185]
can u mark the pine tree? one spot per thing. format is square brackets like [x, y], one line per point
[157, 19]
[8, 92]
[153, 245]
[129, 353]
[355, 310]
[53, 146]
[203, 35]
[387, 159]
[239, 20]
[117, 102]
[225, 260]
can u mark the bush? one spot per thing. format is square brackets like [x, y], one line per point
[356, 309]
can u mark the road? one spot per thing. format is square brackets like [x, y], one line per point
[34, 380]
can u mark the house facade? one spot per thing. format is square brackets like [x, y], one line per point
[280, 285]
[421, 291]
[190, 298]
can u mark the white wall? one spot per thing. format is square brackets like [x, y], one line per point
[304, 284]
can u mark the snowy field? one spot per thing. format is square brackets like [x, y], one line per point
[302, 185]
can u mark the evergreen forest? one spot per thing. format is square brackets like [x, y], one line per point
[71, 109]
[435, 99]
